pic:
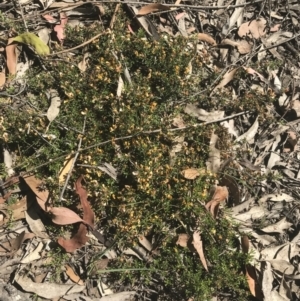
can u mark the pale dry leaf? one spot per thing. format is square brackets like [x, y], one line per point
[206, 38]
[252, 282]
[183, 240]
[228, 77]
[250, 134]
[178, 122]
[272, 252]
[44, 35]
[151, 8]
[35, 223]
[8, 162]
[123, 296]
[65, 169]
[83, 64]
[109, 170]
[278, 227]
[53, 110]
[64, 216]
[255, 28]
[48, 290]
[190, 173]
[197, 242]
[296, 107]
[255, 212]
[276, 198]
[282, 266]
[34, 255]
[120, 86]
[244, 47]
[214, 160]
[73, 276]
[145, 243]
[267, 282]
[202, 114]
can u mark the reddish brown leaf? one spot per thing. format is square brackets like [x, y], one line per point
[64, 216]
[60, 28]
[88, 214]
[76, 242]
[80, 238]
[11, 57]
[151, 8]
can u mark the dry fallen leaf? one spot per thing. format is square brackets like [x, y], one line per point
[206, 38]
[220, 195]
[65, 169]
[80, 238]
[36, 185]
[228, 77]
[183, 240]
[151, 8]
[60, 28]
[197, 242]
[11, 57]
[255, 28]
[64, 216]
[73, 276]
[192, 173]
[48, 290]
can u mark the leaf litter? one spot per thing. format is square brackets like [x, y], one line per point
[275, 207]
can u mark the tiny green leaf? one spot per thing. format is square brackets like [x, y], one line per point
[31, 39]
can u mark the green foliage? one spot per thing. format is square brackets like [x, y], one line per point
[151, 197]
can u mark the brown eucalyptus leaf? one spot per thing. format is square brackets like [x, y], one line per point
[151, 8]
[206, 38]
[73, 276]
[64, 216]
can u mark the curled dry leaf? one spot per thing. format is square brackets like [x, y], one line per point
[197, 242]
[151, 8]
[206, 38]
[220, 195]
[255, 28]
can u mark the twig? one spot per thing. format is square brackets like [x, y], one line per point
[113, 19]
[209, 7]
[22, 15]
[73, 163]
[81, 45]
